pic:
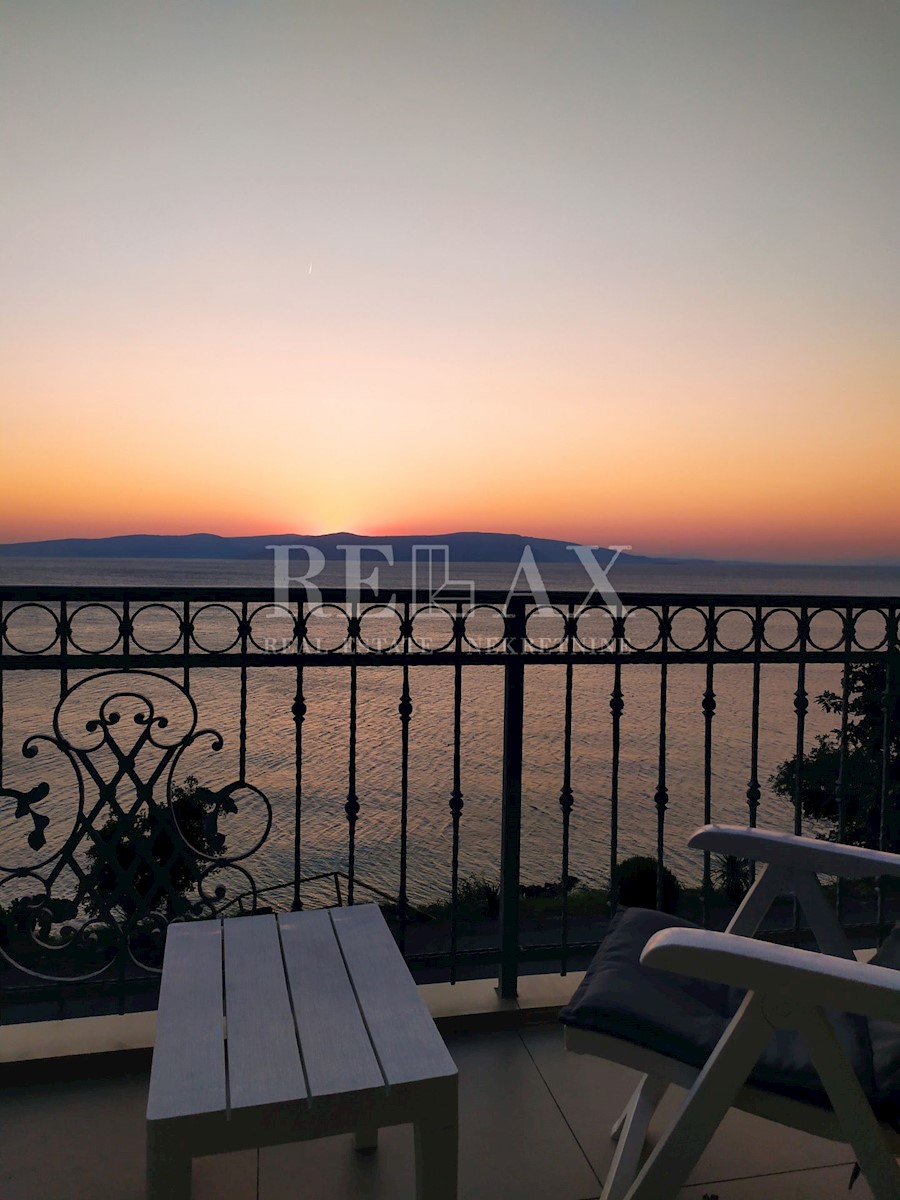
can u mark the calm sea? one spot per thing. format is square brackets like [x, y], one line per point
[270, 767]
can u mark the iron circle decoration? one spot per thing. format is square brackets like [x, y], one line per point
[823, 616]
[877, 616]
[166, 647]
[421, 614]
[687, 613]
[487, 644]
[31, 606]
[369, 617]
[722, 631]
[321, 612]
[208, 608]
[91, 608]
[772, 613]
[544, 612]
[604, 638]
[287, 642]
[633, 618]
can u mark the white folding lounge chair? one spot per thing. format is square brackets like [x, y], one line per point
[808, 1039]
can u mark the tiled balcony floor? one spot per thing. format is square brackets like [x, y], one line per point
[534, 1125]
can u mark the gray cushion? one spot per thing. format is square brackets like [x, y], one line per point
[885, 1035]
[684, 1018]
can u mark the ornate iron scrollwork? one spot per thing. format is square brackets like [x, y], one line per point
[139, 845]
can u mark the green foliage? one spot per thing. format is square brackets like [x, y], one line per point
[637, 884]
[478, 898]
[552, 889]
[152, 861]
[38, 914]
[819, 769]
[732, 875]
[582, 902]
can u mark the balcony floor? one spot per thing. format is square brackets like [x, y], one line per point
[534, 1125]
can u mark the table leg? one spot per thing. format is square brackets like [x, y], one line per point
[436, 1161]
[365, 1140]
[168, 1166]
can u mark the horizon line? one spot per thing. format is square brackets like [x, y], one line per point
[685, 558]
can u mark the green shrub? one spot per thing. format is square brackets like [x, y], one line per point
[478, 897]
[637, 884]
[732, 875]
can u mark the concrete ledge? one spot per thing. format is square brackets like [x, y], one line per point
[78, 1035]
[85, 1047]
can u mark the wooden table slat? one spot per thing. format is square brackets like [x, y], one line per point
[188, 1074]
[408, 1045]
[264, 1065]
[337, 1052]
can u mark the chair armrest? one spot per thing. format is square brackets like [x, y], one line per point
[796, 853]
[800, 976]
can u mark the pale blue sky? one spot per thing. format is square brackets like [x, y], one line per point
[618, 210]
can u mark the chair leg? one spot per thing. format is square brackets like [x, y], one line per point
[827, 930]
[623, 1115]
[753, 908]
[851, 1107]
[168, 1166]
[631, 1133]
[622, 1118]
[710, 1098]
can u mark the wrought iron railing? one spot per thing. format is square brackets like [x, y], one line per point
[137, 724]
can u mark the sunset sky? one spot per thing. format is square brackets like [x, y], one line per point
[604, 270]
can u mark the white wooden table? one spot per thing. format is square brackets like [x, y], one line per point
[273, 1030]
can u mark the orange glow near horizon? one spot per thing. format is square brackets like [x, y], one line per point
[188, 437]
[497, 448]
[664, 472]
[552, 277]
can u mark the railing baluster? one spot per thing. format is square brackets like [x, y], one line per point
[801, 707]
[566, 798]
[511, 818]
[661, 796]
[709, 711]
[242, 737]
[63, 690]
[617, 707]
[886, 795]
[351, 808]
[405, 709]
[125, 626]
[841, 782]
[2, 734]
[63, 648]
[2, 679]
[456, 796]
[186, 644]
[754, 792]
[298, 711]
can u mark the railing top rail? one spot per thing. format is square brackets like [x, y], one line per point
[334, 595]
